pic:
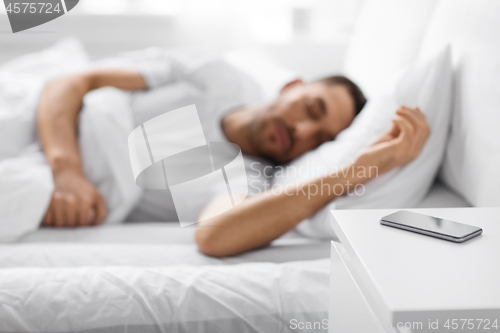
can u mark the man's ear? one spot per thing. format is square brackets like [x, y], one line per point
[291, 84]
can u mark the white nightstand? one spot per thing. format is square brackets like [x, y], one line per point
[384, 277]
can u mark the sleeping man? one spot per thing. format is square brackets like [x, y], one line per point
[230, 107]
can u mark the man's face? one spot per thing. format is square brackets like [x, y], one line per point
[301, 118]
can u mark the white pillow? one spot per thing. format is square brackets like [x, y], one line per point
[385, 41]
[426, 85]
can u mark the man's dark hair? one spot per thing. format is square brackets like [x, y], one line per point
[354, 90]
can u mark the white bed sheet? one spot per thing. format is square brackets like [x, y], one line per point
[153, 244]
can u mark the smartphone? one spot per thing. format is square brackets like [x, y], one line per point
[431, 226]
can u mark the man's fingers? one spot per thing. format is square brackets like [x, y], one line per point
[394, 131]
[75, 201]
[416, 116]
[420, 116]
[410, 117]
[70, 210]
[423, 130]
[84, 213]
[100, 209]
[413, 133]
[390, 134]
[406, 130]
[58, 209]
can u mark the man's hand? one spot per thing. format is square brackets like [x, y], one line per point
[401, 144]
[74, 202]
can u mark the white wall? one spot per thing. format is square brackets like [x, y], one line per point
[309, 37]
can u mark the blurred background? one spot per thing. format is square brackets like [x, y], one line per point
[307, 36]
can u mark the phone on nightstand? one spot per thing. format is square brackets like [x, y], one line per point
[431, 226]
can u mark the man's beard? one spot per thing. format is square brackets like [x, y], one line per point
[257, 126]
[253, 133]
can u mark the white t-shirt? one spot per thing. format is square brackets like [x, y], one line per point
[177, 78]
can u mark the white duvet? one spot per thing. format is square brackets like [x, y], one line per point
[104, 124]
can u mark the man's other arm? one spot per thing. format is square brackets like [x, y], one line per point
[258, 220]
[75, 201]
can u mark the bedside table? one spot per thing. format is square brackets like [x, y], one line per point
[385, 279]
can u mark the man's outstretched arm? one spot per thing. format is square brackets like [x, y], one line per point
[75, 201]
[258, 220]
